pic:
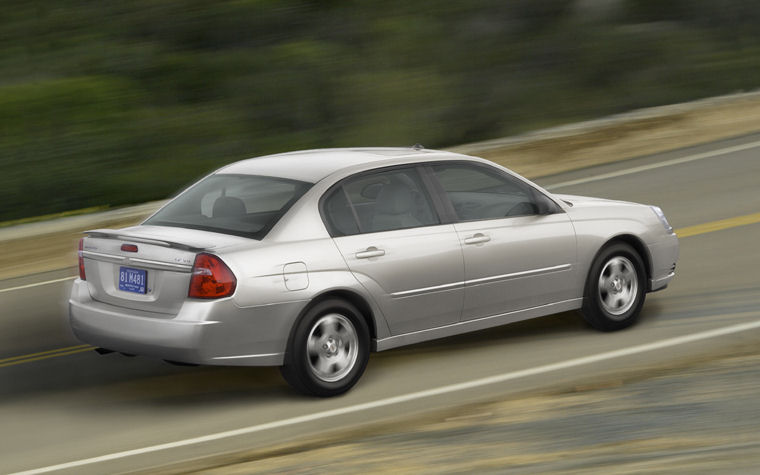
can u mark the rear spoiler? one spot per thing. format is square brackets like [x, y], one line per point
[113, 234]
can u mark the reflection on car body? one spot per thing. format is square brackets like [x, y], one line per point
[310, 260]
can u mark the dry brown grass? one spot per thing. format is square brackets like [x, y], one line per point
[666, 129]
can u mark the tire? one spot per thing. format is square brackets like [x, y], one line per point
[615, 288]
[328, 349]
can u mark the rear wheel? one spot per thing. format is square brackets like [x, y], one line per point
[328, 350]
[615, 288]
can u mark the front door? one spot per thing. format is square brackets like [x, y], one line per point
[517, 263]
[519, 246]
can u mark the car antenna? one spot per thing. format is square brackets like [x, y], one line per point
[417, 146]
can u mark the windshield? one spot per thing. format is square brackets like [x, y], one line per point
[244, 205]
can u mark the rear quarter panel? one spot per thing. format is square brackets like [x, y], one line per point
[294, 272]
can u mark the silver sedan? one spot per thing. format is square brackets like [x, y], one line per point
[310, 260]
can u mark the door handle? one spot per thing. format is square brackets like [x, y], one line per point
[478, 238]
[371, 251]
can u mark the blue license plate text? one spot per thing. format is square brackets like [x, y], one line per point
[133, 280]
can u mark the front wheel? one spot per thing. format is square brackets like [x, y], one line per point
[615, 288]
[328, 350]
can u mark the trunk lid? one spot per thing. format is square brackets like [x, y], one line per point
[147, 267]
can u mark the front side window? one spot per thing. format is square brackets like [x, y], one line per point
[244, 205]
[479, 193]
[379, 201]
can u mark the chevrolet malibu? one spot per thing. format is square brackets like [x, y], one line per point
[310, 260]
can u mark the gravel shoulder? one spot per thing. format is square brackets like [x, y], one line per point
[699, 416]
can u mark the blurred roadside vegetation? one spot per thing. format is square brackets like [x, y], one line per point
[111, 103]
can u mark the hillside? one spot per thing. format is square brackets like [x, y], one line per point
[110, 103]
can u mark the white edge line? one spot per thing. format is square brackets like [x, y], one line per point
[651, 166]
[680, 340]
[27, 286]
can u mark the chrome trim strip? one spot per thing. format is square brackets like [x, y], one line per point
[259, 355]
[105, 256]
[513, 275]
[482, 280]
[435, 288]
[137, 260]
[186, 267]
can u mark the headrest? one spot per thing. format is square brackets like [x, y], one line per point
[228, 207]
[394, 198]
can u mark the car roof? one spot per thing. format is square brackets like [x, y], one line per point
[314, 165]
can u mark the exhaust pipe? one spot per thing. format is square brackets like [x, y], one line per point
[180, 363]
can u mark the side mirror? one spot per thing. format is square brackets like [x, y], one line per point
[545, 205]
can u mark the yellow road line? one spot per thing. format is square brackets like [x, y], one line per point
[44, 355]
[54, 355]
[57, 350]
[688, 231]
[718, 225]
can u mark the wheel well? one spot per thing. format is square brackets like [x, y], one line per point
[638, 246]
[354, 299]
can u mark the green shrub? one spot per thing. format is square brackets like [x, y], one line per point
[111, 103]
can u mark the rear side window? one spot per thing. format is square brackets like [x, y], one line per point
[244, 205]
[379, 201]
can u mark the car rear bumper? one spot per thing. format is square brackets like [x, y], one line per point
[215, 332]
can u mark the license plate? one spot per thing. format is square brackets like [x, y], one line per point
[133, 280]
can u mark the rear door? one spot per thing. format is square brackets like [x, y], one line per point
[387, 230]
[519, 246]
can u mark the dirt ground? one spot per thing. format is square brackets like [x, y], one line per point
[642, 422]
[533, 155]
[630, 135]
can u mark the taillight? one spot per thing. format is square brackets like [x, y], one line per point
[211, 278]
[81, 259]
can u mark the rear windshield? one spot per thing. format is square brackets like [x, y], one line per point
[244, 205]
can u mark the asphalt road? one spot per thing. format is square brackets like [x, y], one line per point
[72, 405]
